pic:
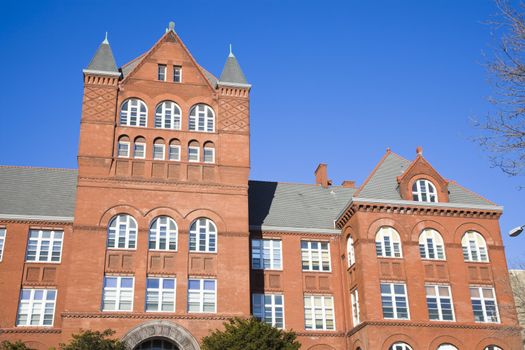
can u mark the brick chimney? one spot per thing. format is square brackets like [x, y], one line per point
[321, 176]
[348, 184]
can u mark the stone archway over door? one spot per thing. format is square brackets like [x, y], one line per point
[161, 329]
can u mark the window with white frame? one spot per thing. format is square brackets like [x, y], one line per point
[177, 74]
[447, 347]
[123, 148]
[133, 112]
[36, 307]
[431, 245]
[350, 252]
[160, 294]
[474, 247]
[394, 301]
[266, 254]
[484, 305]
[168, 116]
[269, 308]
[400, 346]
[202, 118]
[388, 243]
[139, 148]
[439, 303]
[424, 191]
[203, 236]
[122, 232]
[319, 313]
[44, 246]
[118, 293]
[163, 234]
[161, 72]
[174, 151]
[202, 295]
[493, 347]
[194, 152]
[2, 242]
[209, 152]
[158, 150]
[315, 256]
[354, 298]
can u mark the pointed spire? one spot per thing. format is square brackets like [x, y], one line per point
[232, 73]
[231, 52]
[103, 62]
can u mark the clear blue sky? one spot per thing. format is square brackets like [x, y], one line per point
[333, 81]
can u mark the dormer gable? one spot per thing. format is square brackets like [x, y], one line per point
[420, 180]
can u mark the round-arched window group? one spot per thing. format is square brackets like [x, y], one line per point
[162, 235]
[405, 346]
[424, 191]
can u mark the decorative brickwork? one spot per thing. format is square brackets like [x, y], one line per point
[99, 103]
[234, 114]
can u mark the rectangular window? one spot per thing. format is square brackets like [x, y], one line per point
[193, 154]
[484, 304]
[36, 307]
[174, 152]
[315, 256]
[44, 246]
[118, 293]
[158, 152]
[160, 294]
[140, 150]
[209, 155]
[123, 149]
[266, 254]
[2, 242]
[354, 296]
[161, 72]
[319, 313]
[202, 296]
[177, 74]
[439, 303]
[394, 301]
[269, 308]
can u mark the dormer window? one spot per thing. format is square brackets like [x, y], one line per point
[161, 72]
[177, 74]
[424, 191]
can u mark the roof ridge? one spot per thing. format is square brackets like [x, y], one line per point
[133, 60]
[34, 167]
[471, 192]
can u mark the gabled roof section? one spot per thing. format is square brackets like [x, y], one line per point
[232, 73]
[103, 62]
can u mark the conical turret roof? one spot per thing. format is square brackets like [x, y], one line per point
[232, 72]
[103, 62]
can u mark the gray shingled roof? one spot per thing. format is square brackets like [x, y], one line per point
[37, 192]
[103, 61]
[232, 72]
[285, 205]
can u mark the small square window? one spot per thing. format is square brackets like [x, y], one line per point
[193, 154]
[177, 74]
[123, 149]
[158, 152]
[209, 155]
[174, 152]
[161, 73]
[140, 150]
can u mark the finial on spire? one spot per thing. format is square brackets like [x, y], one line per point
[231, 52]
[419, 150]
[106, 39]
[171, 26]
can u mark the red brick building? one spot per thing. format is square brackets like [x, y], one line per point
[160, 235]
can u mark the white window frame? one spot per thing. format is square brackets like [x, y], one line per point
[440, 300]
[162, 71]
[168, 112]
[156, 147]
[196, 234]
[354, 299]
[118, 293]
[39, 245]
[492, 347]
[482, 299]
[172, 147]
[200, 121]
[179, 69]
[190, 148]
[143, 144]
[393, 297]
[262, 309]
[418, 193]
[163, 294]
[388, 249]
[157, 228]
[119, 148]
[400, 346]
[324, 308]
[446, 347]
[310, 253]
[36, 307]
[437, 248]
[3, 235]
[130, 234]
[126, 114]
[208, 149]
[350, 251]
[474, 247]
[260, 251]
[201, 292]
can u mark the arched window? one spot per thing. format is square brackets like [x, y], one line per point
[139, 148]
[156, 344]
[431, 245]
[400, 346]
[122, 232]
[174, 151]
[159, 149]
[474, 247]
[202, 118]
[168, 116]
[424, 191]
[163, 234]
[350, 251]
[209, 152]
[194, 151]
[493, 347]
[203, 236]
[123, 147]
[388, 243]
[133, 112]
[447, 347]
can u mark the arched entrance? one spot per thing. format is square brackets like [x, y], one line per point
[160, 335]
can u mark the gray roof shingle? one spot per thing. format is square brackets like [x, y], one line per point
[103, 61]
[232, 72]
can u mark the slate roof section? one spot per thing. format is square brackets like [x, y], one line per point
[103, 61]
[298, 206]
[34, 192]
[232, 72]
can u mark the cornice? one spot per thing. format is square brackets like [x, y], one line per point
[332, 334]
[269, 230]
[147, 315]
[36, 219]
[30, 330]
